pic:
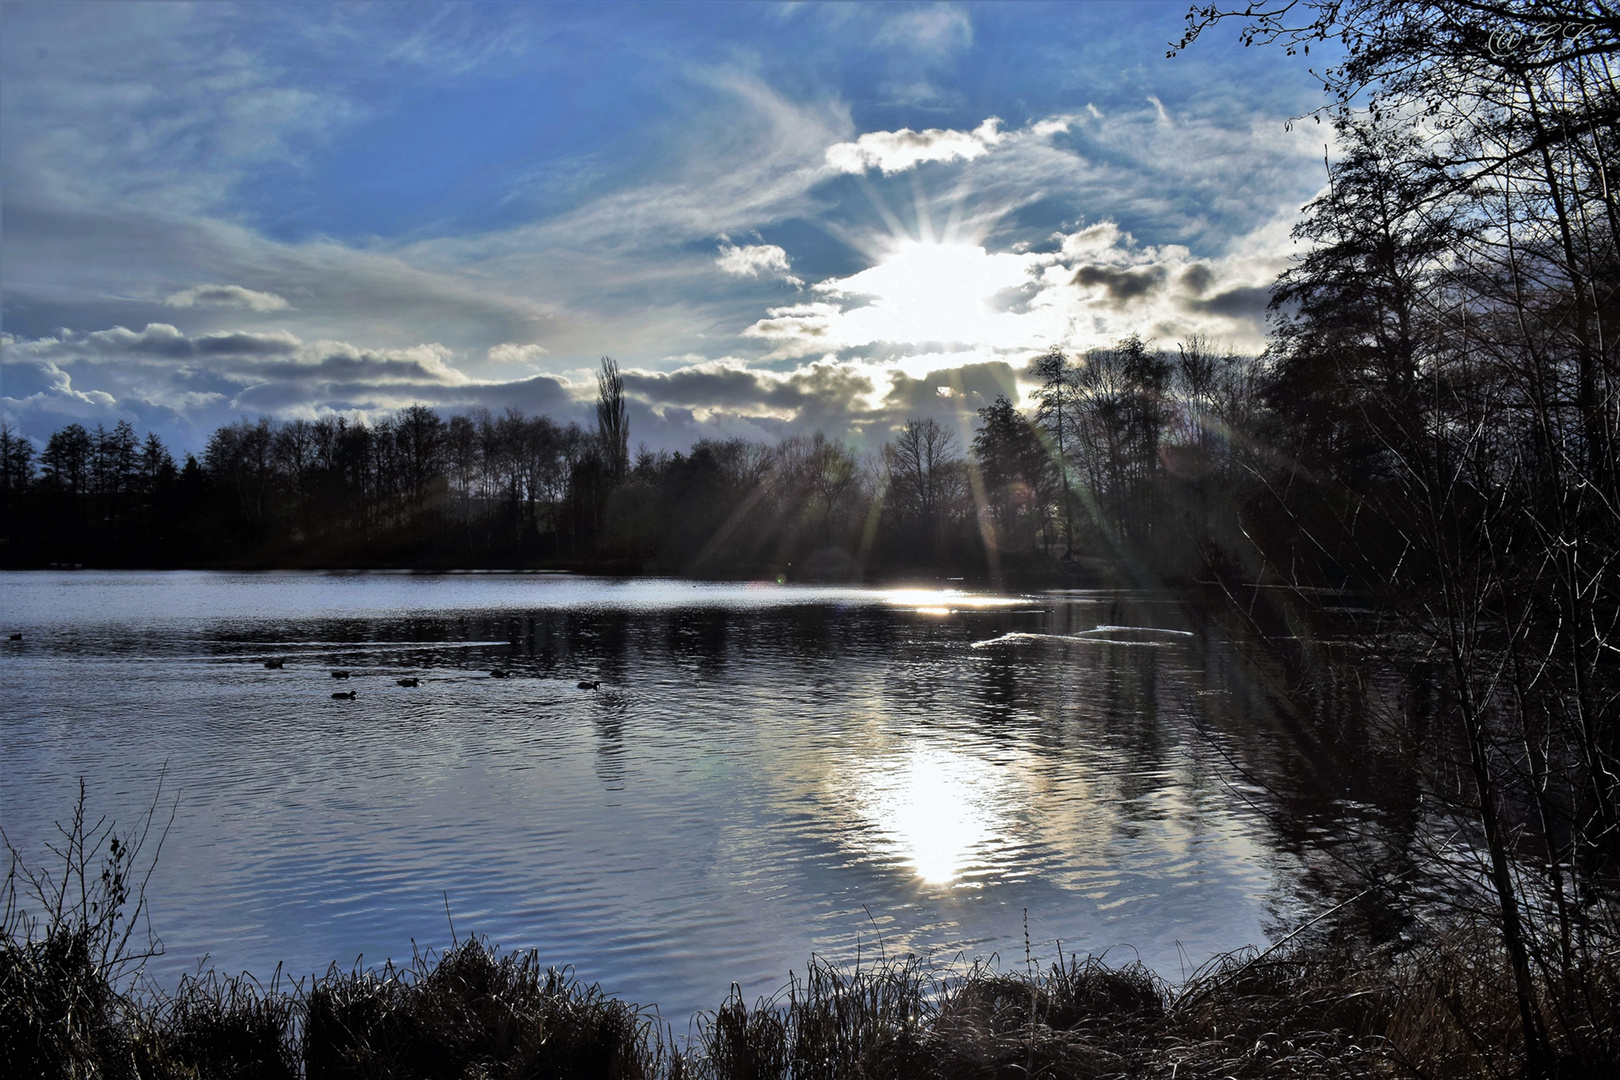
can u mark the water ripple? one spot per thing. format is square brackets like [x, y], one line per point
[765, 772]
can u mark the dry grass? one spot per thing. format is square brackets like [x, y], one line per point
[1314, 1009]
[474, 1013]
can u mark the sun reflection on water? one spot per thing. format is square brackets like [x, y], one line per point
[945, 601]
[940, 810]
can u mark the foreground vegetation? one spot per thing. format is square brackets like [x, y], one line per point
[1322, 1007]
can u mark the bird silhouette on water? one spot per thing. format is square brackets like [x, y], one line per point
[342, 695]
[499, 674]
[340, 674]
[16, 637]
[583, 685]
[408, 682]
[275, 664]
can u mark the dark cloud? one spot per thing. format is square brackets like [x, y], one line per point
[245, 345]
[1248, 302]
[823, 385]
[1123, 285]
[186, 385]
[541, 394]
[1197, 278]
[967, 389]
[367, 368]
[164, 342]
[227, 296]
[970, 387]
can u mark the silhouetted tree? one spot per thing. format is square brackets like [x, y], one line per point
[612, 420]
[1057, 406]
[1016, 474]
[925, 482]
[66, 460]
[16, 460]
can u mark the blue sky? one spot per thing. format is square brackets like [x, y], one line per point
[776, 217]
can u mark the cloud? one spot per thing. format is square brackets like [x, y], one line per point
[38, 384]
[1122, 286]
[1196, 278]
[1245, 303]
[229, 296]
[858, 402]
[730, 385]
[165, 341]
[940, 30]
[273, 371]
[798, 330]
[896, 151]
[513, 353]
[143, 143]
[755, 259]
[1094, 286]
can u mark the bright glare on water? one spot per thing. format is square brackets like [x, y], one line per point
[766, 771]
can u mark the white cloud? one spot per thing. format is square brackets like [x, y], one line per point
[513, 353]
[754, 259]
[964, 301]
[231, 296]
[896, 151]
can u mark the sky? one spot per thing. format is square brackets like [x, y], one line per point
[777, 218]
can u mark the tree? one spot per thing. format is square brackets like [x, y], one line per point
[420, 436]
[1057, 400]
[1454, 328]
[66, 460]
[1015, 471]
[612, 420]
[156, 464]
[16, 460]
[924, 479]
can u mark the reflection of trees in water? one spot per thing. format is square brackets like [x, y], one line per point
[1312, 739]
[610, 749]
[703, 635]
[998, 686]
[1131, 719]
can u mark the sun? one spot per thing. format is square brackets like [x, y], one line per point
[932, 292]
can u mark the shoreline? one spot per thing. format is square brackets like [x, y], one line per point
[1327, 1004]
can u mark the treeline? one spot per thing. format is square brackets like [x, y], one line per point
[1119, 451]
[1440, 433]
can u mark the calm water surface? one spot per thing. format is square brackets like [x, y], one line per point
[765, 772]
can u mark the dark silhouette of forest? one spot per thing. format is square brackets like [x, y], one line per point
[1120, 459]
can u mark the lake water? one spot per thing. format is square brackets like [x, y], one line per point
[765, 772]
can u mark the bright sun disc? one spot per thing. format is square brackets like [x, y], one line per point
[934, 292]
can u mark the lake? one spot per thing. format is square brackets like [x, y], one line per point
[765, 771]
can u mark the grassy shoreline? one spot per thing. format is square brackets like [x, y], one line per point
[1326, 1005]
